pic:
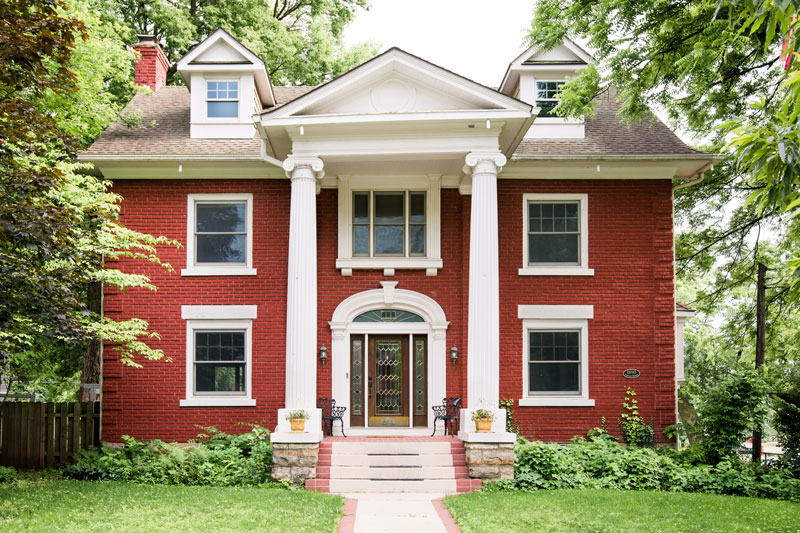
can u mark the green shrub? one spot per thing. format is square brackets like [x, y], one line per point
[727, 411]
[601, 463]
[634, 429]
[216, 458]
[787, 424]
[8, 474]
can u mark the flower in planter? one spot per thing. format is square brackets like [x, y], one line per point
[482, 414]
[297, 414]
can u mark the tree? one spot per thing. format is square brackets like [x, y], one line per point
[299, 40]
[58, 224]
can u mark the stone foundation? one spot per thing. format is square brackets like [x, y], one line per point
[490, 461]
[296, 462]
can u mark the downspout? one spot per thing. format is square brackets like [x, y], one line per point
[698, 177]
[266, 157]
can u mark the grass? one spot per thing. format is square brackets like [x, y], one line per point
[620, 511]
[84, 506]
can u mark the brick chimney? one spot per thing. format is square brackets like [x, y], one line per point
[151, 65]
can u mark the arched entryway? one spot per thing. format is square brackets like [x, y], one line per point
[397, 339]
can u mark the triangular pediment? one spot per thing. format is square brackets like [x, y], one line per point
[397, 82]
[219, 48]
[220, 52]
[565, 58]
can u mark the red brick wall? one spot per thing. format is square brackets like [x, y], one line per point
[630, 248]
[151, 66]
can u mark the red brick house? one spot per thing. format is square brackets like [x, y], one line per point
[427, 235]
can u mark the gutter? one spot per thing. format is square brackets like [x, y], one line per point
[177, 157]
[696, 179]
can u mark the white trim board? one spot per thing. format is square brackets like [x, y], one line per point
[555, 312]
[219, 312]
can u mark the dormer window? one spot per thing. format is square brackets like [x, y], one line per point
[222, 99]
[547, 96]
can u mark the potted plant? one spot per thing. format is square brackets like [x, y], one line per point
[483, 420]
[297, 419]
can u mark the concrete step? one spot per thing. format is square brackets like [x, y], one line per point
[439, 459]
[412, 472]
[365, 486]
[384, 447]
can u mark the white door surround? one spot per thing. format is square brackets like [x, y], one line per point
[388, 297]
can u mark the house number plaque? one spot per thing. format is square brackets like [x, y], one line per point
[631, 373]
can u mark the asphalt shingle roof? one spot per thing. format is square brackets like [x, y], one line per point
[169, 108]
[606, 134]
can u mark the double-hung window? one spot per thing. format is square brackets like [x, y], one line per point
[555, 355]
[547, 93]
[218, 355]
[219, 234]
[555, 240]
[389, 224]
[222, 98]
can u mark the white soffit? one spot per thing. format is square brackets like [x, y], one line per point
[221, 52]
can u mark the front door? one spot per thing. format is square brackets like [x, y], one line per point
[387, 385]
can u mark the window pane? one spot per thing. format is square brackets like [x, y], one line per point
[389, 239]
[361, 240]
[219, 377]
[555, 248]
[389, 209]
[221, 218]
[218, 109]
[221, 248]
[361, 208]
[554, 345]
[417, 238]
[417, 207]
[546, 107]
[219, 346]
[554, 377]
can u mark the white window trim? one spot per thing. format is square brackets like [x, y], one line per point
[222, 120]
[430, 185]
[219, 317]
[582, 269]
[545, 317]
[192, 269]
[536, 98]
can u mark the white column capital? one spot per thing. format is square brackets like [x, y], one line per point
[304, 167]
[479, 162]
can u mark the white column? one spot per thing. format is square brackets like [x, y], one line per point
[301, 300]
[483, 333]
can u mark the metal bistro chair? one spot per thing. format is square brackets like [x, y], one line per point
[447, 413]
[330, 413]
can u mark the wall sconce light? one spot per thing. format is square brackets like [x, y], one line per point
[323, 355]
[454, 355]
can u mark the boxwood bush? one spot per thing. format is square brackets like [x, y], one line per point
[601, 463]
[216, 458]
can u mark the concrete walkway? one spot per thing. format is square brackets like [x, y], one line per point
[397, 513]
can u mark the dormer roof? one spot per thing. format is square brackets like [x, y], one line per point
[566, 57]
[220, 52]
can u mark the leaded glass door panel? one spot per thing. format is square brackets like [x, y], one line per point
[388, 381]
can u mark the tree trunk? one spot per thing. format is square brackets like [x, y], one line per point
[90, 368]
[761, 328]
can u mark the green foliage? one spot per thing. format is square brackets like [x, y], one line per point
[729, 409]
[216, 458]
[511, 424]
[482, 414]
[297, 414]
[634, 429]
[8, 474]
[787, 421]
[603, 464]
[299, 40]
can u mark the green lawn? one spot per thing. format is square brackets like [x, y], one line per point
[618, 511]
[109, 506]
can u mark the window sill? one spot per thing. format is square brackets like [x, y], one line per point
[556, 271]
[219, 271]
[218, 401]
[377, 263]
[554, 401]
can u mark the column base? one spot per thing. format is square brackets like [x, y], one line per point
[468, 433]
[313, 428]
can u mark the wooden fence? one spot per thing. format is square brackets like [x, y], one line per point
[39, 435]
